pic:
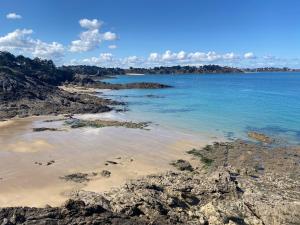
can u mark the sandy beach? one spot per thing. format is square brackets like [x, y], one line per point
[27, 177]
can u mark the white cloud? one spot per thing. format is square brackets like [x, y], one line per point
[134, 61]
[169, 58]
[109, 60]
[13, 16]
[249, 55]
[192, 57]
[45, 50]
[112, 46]
[91, 38]
[181, 55]
[109, 36]
[90, 24]
[17, 39]
[213, 56]
[106, 57]
[153, 57]
[88, 40]
[197, 56]
[230, 56]
[103, 59]
[21, 42]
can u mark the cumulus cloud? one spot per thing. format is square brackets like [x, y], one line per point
[204, 57]
[90, 24]
[133, 61]
[249, 55]
[154, 57]
[20, 41]
[169, 58]
[103, 59]
[109, 60]
[13, 16]
[182, 57]
[88, 40]
[109, 36]
[45, 50]
[230, 56]
[91, 38]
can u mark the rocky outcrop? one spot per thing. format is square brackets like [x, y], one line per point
[30, 87]
[45, 101]
[260, 137]
[78, 123]
[182, 165]
[89, 83]
[73, 212]
[224, 192]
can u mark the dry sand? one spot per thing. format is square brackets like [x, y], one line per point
[23, 181]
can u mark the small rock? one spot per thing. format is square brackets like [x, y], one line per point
[112, 162]
[182, 165]
[105, 173]
[76, 177]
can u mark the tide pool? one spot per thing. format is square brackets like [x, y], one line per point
[220, 104]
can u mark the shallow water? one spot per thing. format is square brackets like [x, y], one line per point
[220, 104]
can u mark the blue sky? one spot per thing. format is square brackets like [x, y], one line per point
[126, 33]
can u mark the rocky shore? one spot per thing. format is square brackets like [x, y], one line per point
[30, 87]
[244, 183]
[239, 182]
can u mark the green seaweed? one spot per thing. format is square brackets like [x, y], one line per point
[78, 123]
[204, 159]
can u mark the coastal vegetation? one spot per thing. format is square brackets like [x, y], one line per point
[94, 71]
[204, 159]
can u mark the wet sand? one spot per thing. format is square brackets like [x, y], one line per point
[26, 179]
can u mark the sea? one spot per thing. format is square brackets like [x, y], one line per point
[228, 105]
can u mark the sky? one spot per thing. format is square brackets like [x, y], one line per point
[147, 33]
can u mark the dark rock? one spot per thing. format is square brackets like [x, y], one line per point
[40, 129]
[78, 123]
[29, 87]
[76, 177]
[111, 162]
[182, 165]
[50, 162]
[105, 173]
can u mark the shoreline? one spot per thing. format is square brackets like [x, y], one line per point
[155, 175]
[219, 183]
[82, 150]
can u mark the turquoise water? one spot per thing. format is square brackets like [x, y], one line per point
[221, 104]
